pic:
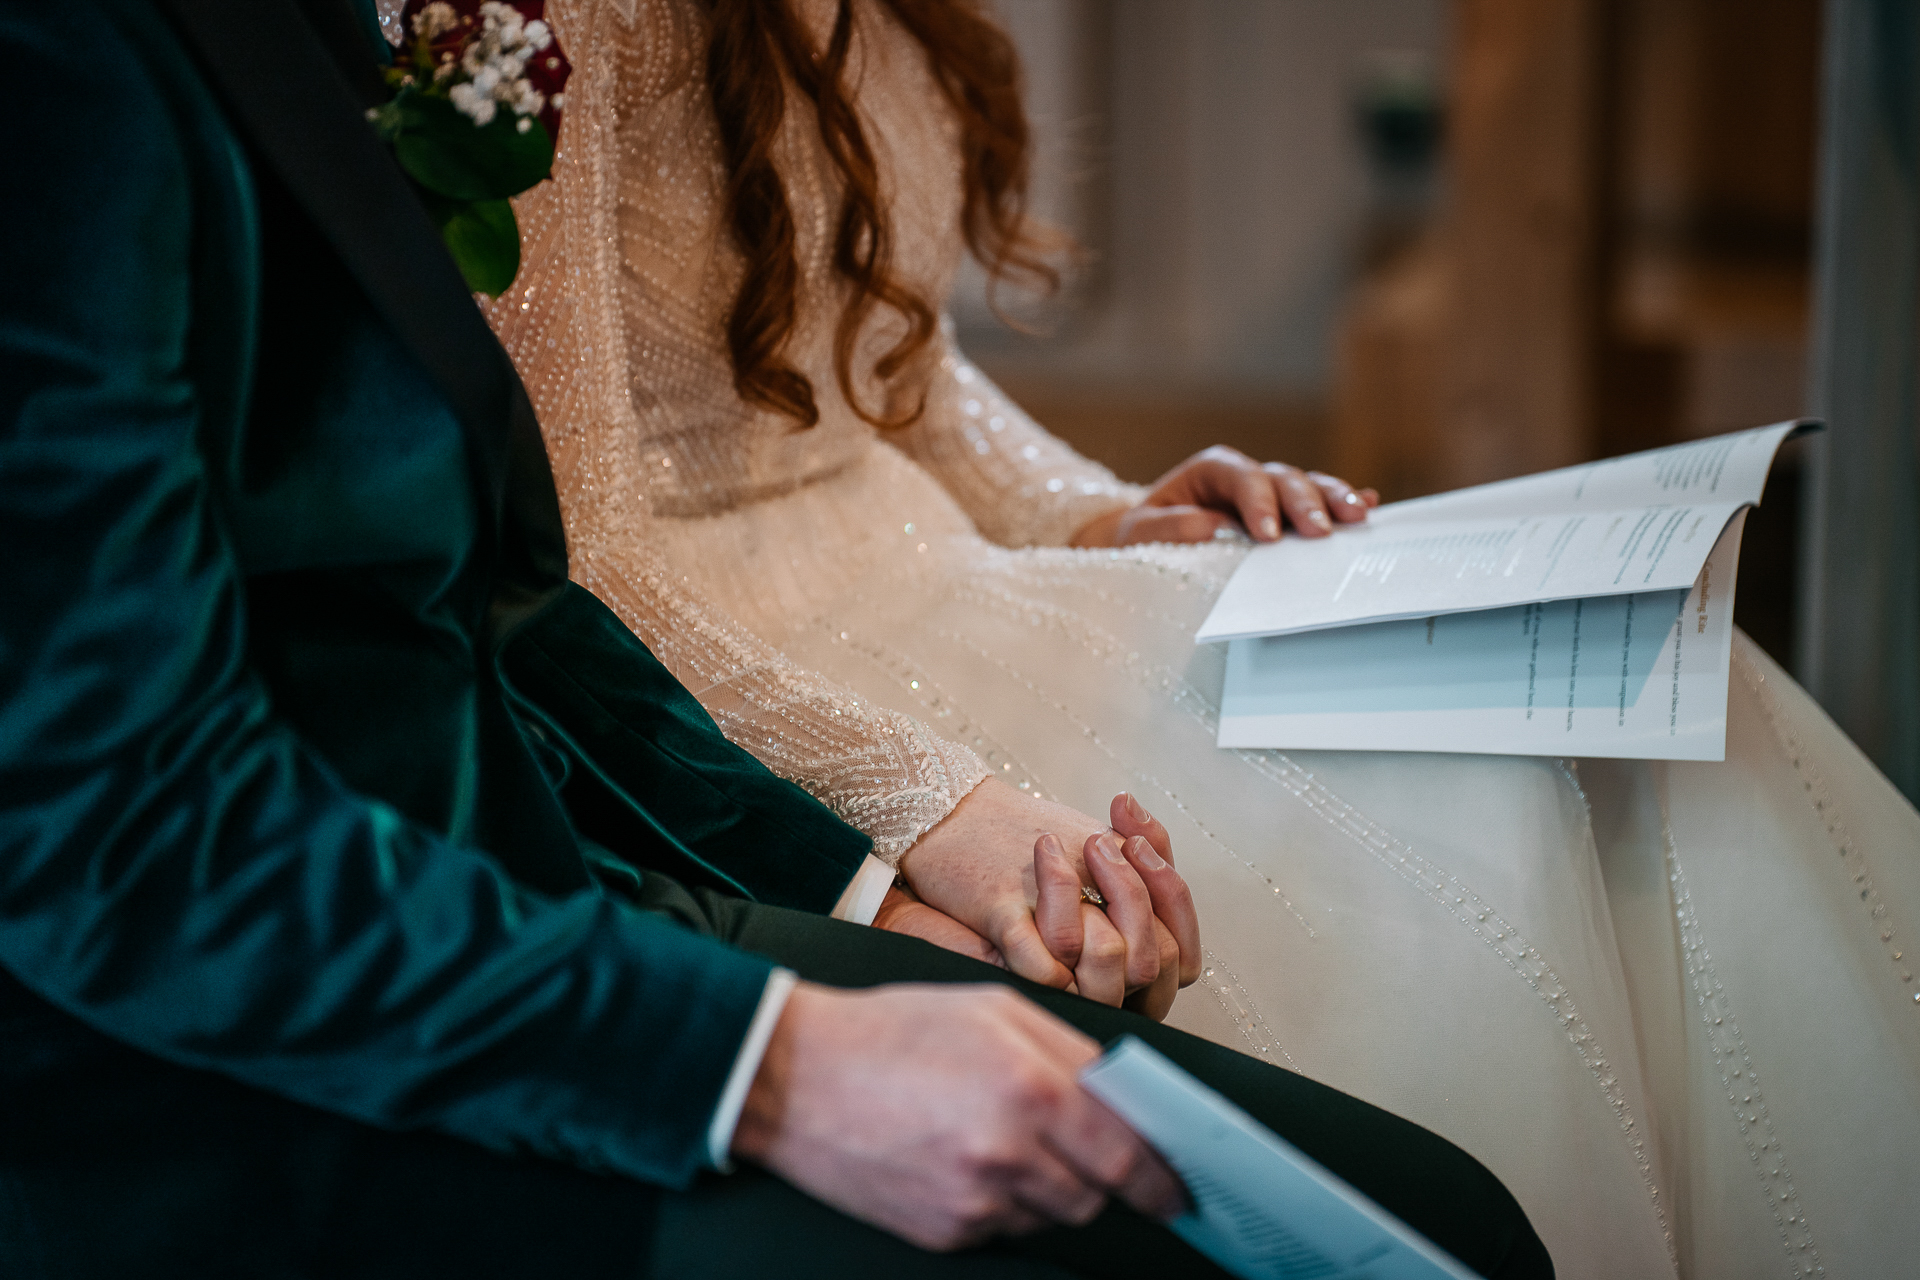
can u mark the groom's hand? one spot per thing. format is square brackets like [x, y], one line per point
[901, 912]
[946, 1115]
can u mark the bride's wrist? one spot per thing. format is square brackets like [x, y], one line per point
[941, 832]
[1099, 531]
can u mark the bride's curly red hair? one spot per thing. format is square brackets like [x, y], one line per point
[758, 49]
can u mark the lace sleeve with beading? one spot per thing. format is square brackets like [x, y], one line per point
[1021, 486]
[883, 772]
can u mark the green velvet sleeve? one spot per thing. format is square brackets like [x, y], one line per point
[177, 867]
[651, 769]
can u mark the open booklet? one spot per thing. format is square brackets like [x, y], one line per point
[1586, 611]
[1262, 1208]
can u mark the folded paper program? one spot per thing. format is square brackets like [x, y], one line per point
[1645, 522]
[1262, 1208]
[1562, 627]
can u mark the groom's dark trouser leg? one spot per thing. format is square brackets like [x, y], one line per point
[1431, 1184]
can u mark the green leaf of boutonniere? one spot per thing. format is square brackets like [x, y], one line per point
[448, 154]
[483, 238]
[474, 93]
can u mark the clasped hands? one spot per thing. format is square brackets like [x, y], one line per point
[976, 890]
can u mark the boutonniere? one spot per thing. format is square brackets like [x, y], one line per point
[476, 107]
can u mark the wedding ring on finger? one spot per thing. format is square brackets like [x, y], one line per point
[1090, 894]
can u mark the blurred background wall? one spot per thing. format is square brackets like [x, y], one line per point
[1207, 156]
[1424, 243]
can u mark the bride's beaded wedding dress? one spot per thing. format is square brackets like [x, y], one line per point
[1673, 1006]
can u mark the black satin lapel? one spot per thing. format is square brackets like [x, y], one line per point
[287, 94]
[342, 28]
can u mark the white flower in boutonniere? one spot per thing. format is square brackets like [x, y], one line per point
[495, 61]
[433, 21]
[476, 106]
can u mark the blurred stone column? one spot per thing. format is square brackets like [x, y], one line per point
[1471, 355]
[1524, 137]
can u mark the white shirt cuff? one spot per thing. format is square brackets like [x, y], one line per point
[860, 900]
[746, 1065]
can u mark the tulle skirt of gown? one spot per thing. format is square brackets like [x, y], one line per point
[1671, 1005]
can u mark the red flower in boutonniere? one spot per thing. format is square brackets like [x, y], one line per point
[478, 87]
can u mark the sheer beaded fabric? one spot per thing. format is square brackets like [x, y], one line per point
[1633, 990]
[678, 495]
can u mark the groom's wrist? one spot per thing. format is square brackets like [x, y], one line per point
[860, 901]
[749, 1064]
[763, 1111]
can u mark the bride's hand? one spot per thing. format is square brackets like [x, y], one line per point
[1132, 866]
[999, 853]
[1121, 952]
[1218, 488]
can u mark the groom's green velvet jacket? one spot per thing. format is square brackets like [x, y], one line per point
[309, 754]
